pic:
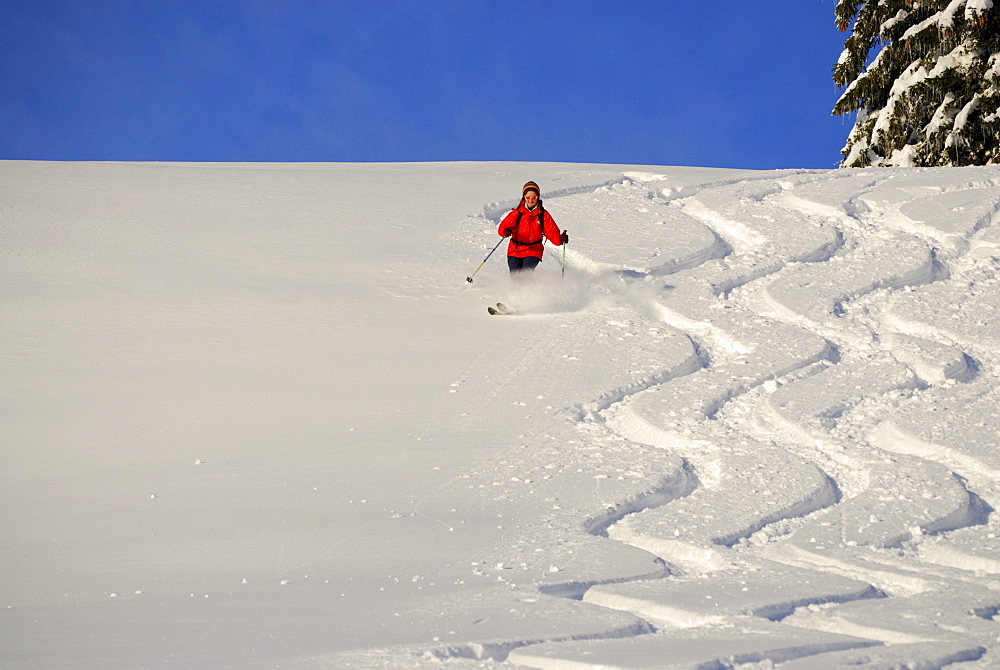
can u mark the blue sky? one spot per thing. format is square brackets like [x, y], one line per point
[725, 83]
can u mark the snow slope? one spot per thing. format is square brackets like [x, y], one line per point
[253, 416]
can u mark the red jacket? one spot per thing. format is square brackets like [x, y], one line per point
[526, 236]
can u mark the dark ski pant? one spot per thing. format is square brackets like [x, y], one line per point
[519, 265]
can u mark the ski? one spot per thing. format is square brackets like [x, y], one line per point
[500, 310]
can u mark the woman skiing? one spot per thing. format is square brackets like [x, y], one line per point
[526, 225]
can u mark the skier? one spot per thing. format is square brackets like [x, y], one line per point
[526, 225]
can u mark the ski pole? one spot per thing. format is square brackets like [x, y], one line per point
[564, 259]
[469, 278]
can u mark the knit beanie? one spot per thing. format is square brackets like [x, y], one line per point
[531, 186]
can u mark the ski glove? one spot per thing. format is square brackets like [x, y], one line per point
[564, 239]
[507, 232]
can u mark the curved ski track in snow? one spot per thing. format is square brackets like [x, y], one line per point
[867, 494]
[827, 433]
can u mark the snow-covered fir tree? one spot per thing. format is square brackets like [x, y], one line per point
[924, 79]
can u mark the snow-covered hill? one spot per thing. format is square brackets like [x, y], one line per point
[253, 416]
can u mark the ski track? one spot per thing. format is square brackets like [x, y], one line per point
[861, 516]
